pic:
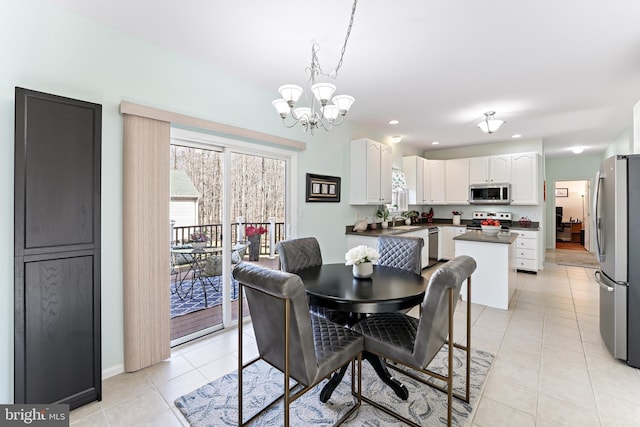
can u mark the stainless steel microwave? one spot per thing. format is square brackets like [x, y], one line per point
[490, 194]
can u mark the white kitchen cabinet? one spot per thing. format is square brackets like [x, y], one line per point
[416, 170]
[447, 247]
[370, 172]
[456, 181]
[354, 240]
[527, 250]
[483, 170]
[436, 170]
[524, 179]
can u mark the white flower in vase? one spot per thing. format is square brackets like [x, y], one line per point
[361, 254]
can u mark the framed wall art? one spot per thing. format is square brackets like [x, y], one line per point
[562, 192]
[323, 188]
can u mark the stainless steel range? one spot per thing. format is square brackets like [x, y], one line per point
[479, 216]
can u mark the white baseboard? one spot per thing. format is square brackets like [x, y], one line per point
[113, 371]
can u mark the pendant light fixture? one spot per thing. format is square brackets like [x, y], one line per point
[324, 111]
[490, 124]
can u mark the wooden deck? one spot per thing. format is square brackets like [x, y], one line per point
[198, 320]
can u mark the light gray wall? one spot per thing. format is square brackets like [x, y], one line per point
[622, 145]
[71, 56]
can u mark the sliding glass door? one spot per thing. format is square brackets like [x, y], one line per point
[228, 206]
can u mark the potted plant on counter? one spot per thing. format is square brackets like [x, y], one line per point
[383, 214]
[411, 217]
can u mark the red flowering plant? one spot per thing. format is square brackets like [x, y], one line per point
[250, 230]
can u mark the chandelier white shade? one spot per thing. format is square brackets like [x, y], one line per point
[324, 110]
[490, 124]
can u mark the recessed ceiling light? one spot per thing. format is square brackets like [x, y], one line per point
[396, 139]
[393, 122]
[517, 135]
[577, 150]
[435, 143]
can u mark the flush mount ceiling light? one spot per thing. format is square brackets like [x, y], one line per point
[490, 124]
[393, 122]
[321, 112]
[577, 150]
[396, 139]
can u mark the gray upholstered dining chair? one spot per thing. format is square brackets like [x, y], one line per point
[301, 253]
[401, 252]
[305, 347]
[413, 343]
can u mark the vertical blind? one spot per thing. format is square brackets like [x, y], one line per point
[145, 241]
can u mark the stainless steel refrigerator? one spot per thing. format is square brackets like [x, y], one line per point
[617, 228]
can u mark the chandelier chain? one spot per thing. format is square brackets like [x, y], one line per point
[315, 62]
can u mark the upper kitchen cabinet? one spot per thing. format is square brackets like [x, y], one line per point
[436, 181]
[524, 179]
[416, 171]
[456, 181]
[483, 170]
[370, 172]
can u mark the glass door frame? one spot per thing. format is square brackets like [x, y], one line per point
[228, 146]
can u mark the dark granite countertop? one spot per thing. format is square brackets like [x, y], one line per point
[400, 229]
[437, 222]
[478, 236]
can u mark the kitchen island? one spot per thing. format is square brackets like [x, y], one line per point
[493, 282]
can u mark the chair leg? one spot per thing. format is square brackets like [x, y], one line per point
[286, 363]
[450, 361]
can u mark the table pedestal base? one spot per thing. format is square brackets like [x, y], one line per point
[377, 364]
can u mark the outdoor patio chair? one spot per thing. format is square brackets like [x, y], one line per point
[414, 343]
[304, 347]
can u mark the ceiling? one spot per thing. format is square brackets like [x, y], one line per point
[567, 72]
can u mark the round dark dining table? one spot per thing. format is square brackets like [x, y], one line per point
[387, 290]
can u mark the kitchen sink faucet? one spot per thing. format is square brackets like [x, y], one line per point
[393, 220]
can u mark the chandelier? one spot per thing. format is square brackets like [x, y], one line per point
[325, 110]
[490, 124]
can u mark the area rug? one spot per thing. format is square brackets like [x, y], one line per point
[193, 294]
[576, 258]
[216, 404]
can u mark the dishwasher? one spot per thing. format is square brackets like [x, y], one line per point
[434, 236]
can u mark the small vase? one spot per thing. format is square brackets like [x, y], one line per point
[198, 245]
[254, 247]
[364, 270]
[407, 221]
[456, 220]
[384, 224]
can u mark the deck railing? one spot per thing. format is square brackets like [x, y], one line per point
[180, 235]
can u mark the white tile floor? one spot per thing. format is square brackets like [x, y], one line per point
[551, 367]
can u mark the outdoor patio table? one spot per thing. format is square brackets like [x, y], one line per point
[196, 259]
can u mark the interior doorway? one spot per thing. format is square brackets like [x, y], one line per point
[572, 219]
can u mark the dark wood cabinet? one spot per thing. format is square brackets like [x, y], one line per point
[57, 249]
[577, 233]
